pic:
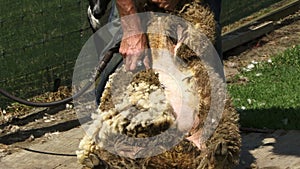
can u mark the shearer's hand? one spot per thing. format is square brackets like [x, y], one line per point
[166, 4]
[134, 50]
[133, 46]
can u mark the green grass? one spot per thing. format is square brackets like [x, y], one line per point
[271, 96]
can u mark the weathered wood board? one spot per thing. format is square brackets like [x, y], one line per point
[258, 27]
[62, 143]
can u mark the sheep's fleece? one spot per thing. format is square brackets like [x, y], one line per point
[150, 119]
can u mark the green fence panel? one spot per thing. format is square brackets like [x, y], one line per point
[39, 42]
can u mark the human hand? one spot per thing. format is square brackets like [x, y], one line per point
[133, 47]
[134, 50]
[166, 4]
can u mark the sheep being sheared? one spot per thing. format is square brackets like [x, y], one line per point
[140, 122]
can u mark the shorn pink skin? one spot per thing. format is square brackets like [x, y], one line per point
[184, 103]
[185, 117]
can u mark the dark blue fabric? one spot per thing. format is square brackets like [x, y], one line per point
[215, 6]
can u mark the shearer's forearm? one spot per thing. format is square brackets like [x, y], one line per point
[131, 25]
[126, 7]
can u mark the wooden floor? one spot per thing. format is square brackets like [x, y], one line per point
[62, 143]
[278, 149]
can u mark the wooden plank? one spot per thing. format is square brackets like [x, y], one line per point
[61, 143]
[237, 38]
[257, 27]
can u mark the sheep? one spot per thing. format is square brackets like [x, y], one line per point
[136, 106]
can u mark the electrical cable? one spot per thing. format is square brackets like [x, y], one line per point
[95, 75]
[44, 152]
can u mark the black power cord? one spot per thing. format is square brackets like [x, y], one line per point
[94, 75]
[45, 152]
